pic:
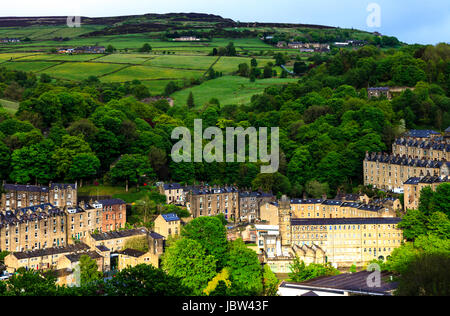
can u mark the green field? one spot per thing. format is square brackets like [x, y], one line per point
[183, 62]
[34, 66]
[150, 73]
[227, 89]
[9, 106]
[81, 71]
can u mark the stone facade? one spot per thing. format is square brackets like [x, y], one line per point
[414, 186]
[20, 196]
[212, 201]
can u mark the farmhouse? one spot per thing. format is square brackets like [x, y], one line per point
[186, 39]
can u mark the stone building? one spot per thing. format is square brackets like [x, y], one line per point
[250, 203]
[342, 233]
[130, 258]
[389, 172]
[20, 196]
[174, 193]
[115, 241]
[113, 212]
[168, 225]
[415, 185]
[44, 226]
[212, 201]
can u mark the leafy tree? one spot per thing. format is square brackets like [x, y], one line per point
[146, 48]
[30, 283]
[84, 166]
[246, 271]
[270, 282]
[89, 270]
[441, 199]
[433, 278]
[300, 67]
[110, 49]
[145, 280]
[413, 224]
[211, 233]
[301, 272]
[187, 260]
[130, 168]
[190, 101]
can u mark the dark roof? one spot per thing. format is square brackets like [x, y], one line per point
[155, 235]
[172, 217]
[75, 257]
[354, 282]
[344, 221]
[25, 188]
[63, 185]
[51, 251]
[172, 186]
[111, 202]
[307, 201]
[103, 248]
[132, 253]
[419, 133]
[211, 190]
[378, 88]
[119, 234]
[447, 130]
[310, 293]
[254, 194]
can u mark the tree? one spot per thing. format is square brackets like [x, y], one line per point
[64, 154]
[270, 282]
[413, 224]
[301, 272]
[84, 166]
[243, 70]
[146, 48]
[110, 49]
[426, 275]
[246, 271]
[441, 199]
[316, 189]
[130, 168]
[89, 270]
[211, 233]
[190, 101]
[254, 63]
[187, 260]
[30, 283]
[145, 280]
[300, 67]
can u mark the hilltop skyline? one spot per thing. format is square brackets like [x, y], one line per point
[410, 21]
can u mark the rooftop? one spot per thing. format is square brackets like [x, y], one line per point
[344, 221]
[132, 253]
[354, 282]
[111, 202]
[421, 133]
[119, 234]
[172, 217]
[51, 251]
[75, 257]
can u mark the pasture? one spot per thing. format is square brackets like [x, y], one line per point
[227, 89]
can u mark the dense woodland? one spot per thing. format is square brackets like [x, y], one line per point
[97, 131]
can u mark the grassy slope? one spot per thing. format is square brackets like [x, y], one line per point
[227, 89]
[9, 106]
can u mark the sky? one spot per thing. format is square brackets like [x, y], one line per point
[411, 21]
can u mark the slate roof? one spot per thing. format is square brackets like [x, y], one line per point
[421, 133]
[22, 215]
[75, 257]
[427, 179]
[172, 186]
[155, 235]
[307, 201]
[378, 89]
[119, 234]
[25, 188]
[254, 194]
[344, 221]
[210, 190]
[172, 217]
[103, 248]
[111, 202]
[132, 253]
[447, 130]
[404, 161]
[352, 282]
[51, 251]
